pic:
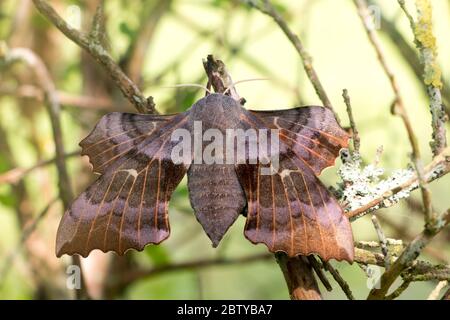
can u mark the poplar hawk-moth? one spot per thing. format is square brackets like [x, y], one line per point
[289, 211]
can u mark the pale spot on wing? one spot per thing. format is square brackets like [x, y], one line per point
[286, 172]
[275, 122]
[154, 124]
[131, 172]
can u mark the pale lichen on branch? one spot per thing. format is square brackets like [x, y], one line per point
[432, 75]
[363, 184]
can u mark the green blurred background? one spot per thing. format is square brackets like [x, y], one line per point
[176, 36]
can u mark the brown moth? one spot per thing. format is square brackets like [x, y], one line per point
[289, 211]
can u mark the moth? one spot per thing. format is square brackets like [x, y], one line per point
[289, 210]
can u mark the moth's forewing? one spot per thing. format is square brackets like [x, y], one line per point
[127, 206]
[291, 210]
[311, 132]
[116, 134]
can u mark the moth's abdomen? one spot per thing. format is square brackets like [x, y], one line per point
[216, 197]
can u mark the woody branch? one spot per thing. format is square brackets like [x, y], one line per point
[43, 77]
[92, 45]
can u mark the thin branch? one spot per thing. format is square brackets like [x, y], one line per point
[99, 53]
[233, 50]
[401, 230]
[52, 103]
[267, 8]
[338, 278]
[98, 24]
[432, 75]
[390, 243]
[134, 58]
[439, 167]
[426, 272]
[65, 98]
[193, 265]
[434, 295]
[44, 79]
[399, 290]
[418, 271]
[389, 28]
[382, 238]
[219, 78]
[355, 133]
[364, 257]
[446, 295]
[410, 253]
[398, 107]
[15, 175]
[26, 233]
[318, 269]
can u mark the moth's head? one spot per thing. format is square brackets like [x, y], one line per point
[221, 100]
[216, 107]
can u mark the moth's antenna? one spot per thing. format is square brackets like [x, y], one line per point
[241, 81]
[188, 85]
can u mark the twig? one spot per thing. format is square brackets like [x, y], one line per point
[446, 295]
[410, 253]
[219, 78]
[434, 295]
[338, 278]
[355, 133]
[16, 174]
[402, 232]
[426, 272]
[382, 238]
[99, 53]
[361, 256]
[267, 8]
[44, 79]
[439, 167]
[8, 261]
[194, 265]
[318, 269]
[426, 44]
[432, 78]
[233, 50]
[98, 31]
[389, 28]
[134, 58]
[65, 98]
[418, 271]
[399, 290]
[390, 243]
[398, 106]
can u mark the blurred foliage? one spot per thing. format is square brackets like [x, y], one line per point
[252, 47]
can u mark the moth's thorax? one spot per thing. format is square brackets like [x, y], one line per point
[217, 110]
